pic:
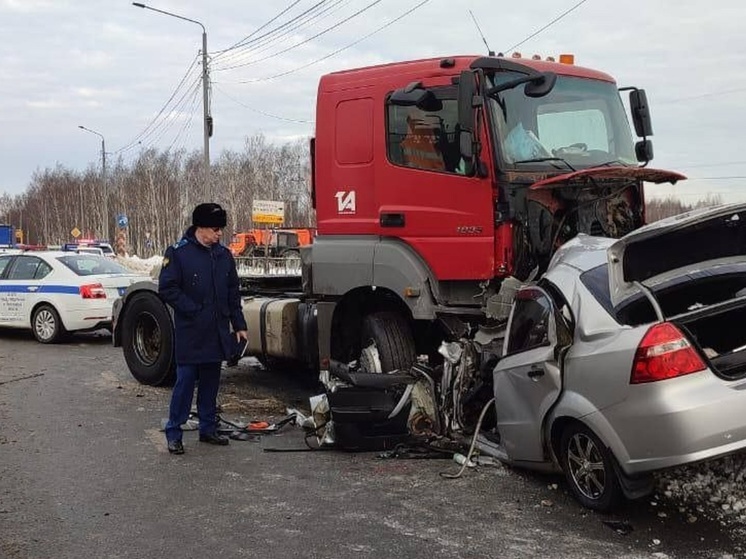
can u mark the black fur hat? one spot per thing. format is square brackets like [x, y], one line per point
[209, 215]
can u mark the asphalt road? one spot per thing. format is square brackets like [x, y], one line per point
[84, 473]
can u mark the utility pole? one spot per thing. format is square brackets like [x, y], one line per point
[207, 118]
[105, 227]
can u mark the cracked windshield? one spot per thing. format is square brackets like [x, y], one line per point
[581, 123]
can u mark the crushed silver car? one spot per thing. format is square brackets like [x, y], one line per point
[628, 356]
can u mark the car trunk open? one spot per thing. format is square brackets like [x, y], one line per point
[694, 265]
[687, 243]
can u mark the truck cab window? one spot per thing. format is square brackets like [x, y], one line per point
[425, 139]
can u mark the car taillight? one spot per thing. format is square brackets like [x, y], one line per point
[92, 291]
[664, 352]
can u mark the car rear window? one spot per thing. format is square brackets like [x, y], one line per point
[92, 264]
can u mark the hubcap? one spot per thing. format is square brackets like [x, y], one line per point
[586, 465]
[147, 339]
[45, 325]
[370, 359]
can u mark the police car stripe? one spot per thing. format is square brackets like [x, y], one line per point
[65, 289]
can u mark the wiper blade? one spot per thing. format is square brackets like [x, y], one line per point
[613, 163]
[543, 159]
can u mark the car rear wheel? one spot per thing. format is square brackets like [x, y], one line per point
[589, 468]
[148, 340]
[47, 325]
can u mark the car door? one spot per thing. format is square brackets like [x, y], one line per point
[527, 380]
[5, 297]
[24, 283]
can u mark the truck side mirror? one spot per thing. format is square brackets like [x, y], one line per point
[541, 86]
[644, 151]
[414, 95]
[466, 91]
[640, 110]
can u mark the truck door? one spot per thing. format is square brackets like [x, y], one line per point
[527, 380]
[423, 196]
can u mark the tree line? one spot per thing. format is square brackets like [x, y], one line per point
[157, 192]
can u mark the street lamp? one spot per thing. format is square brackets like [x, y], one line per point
[103, 180]
[207, 119]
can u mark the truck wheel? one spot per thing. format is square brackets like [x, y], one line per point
[148, 341]
[387, 343]
[589, 468]
[47, 325]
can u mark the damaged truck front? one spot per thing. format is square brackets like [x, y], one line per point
[440, 186]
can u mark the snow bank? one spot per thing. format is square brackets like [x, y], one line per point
[150, 266]
[713, 489]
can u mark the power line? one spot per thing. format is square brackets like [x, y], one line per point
[252, 109]
[701, 96]
[138, 139]
[274, 36]
[548, 25]
[187, 126]
[317, 35]
[717, 178]
[219, 53]
[334, 53]
[335, 6]
[159, 130]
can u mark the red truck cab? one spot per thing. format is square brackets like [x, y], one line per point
[392, 166]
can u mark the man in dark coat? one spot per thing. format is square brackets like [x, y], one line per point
[198, 280]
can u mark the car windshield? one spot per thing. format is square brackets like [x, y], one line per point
[92, 264]
[581, 123]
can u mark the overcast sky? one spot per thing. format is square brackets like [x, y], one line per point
[112, 67]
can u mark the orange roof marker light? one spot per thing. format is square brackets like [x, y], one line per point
[567, 58]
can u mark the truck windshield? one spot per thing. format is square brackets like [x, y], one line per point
[581, 123]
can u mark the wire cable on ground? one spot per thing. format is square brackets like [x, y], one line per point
[465, 465]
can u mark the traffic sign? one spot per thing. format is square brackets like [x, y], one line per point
[268, 211]
[122, 220]
[75, 232]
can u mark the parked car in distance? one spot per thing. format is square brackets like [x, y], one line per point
[628, 357]
[92, 246]
[53, 293]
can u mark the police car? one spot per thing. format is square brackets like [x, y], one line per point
[56, 292]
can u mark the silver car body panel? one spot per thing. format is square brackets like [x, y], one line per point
[646, 426]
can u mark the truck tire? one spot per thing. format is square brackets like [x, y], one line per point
[392, 336]
[148, 340]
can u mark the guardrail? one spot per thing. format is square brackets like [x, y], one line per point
[261, 266]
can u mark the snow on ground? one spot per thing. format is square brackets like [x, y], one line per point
[714, 489]
[149, 266]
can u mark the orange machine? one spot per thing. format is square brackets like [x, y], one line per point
[271, 242]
